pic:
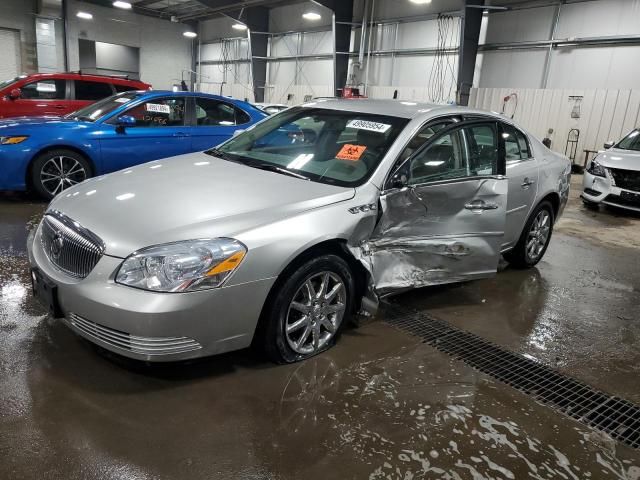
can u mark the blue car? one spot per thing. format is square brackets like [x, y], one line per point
[49, 154]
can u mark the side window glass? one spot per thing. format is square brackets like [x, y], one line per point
[92, 90]
[525, 152]
[213, 112]
[444, 159]
[44, 90]
[159, 112]
[421, 137]
[123, 88]
[483, 149]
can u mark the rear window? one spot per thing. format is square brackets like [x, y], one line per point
[125, 88]
[92, 90]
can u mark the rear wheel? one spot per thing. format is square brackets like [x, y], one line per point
[56, 170]
[534, 239]
[308, 310]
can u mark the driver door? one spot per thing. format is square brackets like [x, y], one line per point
[443, 211]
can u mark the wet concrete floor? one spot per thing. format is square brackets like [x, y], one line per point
[379, 405]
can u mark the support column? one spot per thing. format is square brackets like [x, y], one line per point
[257, 19]
[343, 17]
[469, 38]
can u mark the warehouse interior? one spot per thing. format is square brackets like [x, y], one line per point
[532, 373]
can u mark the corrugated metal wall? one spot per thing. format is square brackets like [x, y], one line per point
[604, 114]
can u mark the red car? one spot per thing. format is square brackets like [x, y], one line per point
[59, 93]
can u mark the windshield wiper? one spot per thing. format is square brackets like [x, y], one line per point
[214, 152]
[274, 168]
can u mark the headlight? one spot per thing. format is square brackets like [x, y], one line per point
[12, 140]
[596, 169]
[182, 266]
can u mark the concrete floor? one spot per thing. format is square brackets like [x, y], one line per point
[379, 405]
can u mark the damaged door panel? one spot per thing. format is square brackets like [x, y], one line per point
[438, 234]
[447, 223]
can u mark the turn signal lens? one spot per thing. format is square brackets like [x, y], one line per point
[12, 140]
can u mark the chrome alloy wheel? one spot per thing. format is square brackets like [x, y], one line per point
[315, 313]
[59, 173]
[538, 235]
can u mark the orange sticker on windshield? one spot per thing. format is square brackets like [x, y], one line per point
[351, 152]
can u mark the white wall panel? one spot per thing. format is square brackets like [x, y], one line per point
[605, 114]
[10, 48]
[522, 68]
[601, 17]
[521, 25]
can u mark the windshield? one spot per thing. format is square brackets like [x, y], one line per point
[631, 141]
[93, 112]
[327, 146]
[6, 83]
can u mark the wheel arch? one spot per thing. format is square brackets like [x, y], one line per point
[554, 199]
[335, 246]
[50, 148]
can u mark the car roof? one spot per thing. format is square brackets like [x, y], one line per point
[85, 76]
[397, 108]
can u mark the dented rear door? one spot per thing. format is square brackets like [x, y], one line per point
[447, 223]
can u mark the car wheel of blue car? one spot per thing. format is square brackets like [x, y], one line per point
[56, 170]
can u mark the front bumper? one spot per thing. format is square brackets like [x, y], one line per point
[153, 326]
[14, 160]
[601, 190]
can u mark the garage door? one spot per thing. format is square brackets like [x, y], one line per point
[10, 48]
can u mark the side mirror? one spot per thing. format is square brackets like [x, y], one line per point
[15, 93]
[609, 144]
[398, 180]
[124, 121]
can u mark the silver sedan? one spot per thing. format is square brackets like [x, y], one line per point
[280, 234]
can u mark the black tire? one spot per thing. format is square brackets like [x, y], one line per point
[519, 257]
[46, 166]
[274, 340]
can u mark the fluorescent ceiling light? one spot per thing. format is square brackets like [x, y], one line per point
[190, 34]
[85, 15]
[420, 2]
[239, 26]
[311, 16]
[120, 4]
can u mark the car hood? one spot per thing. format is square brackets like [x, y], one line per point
[187, 197]
[619, 158]
[20, 123]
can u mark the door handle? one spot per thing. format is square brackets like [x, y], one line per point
[478, 206]
[527, 183]
[59, 107]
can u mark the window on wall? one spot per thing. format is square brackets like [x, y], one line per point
[159, 112]
[92, 90]
[211, 112]
[44, 90]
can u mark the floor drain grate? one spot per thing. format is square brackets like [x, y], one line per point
[615, 416]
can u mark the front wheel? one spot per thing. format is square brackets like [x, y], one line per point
[56, 170]
[308, 310]
[534, 239]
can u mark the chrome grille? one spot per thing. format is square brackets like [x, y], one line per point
[70, 247]
[627, 179]
[133, 343]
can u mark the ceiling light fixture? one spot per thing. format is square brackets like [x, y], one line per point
[190, 34]
[311, 16]
[84, 15]
[420, 2]
[239, 26]
[120, 4]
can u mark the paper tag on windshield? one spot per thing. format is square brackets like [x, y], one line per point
[158, 108]
[121, 100]
[351, 152]
[371, 126]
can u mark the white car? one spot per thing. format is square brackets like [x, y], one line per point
[271, 108]
[612, 177]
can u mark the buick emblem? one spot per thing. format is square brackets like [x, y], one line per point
[56, 245]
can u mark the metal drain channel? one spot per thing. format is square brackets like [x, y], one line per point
[615, 416]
